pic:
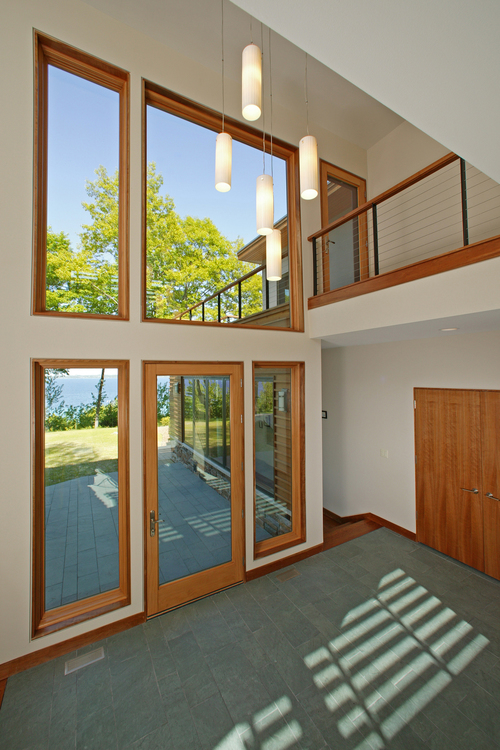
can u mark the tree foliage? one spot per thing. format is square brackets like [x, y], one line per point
[188, 259]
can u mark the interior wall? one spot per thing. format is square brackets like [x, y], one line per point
[24, 336]
[368, 394]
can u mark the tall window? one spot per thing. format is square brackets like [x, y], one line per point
[81, 184]
[279, 456]
[204, 261]
[81, 523]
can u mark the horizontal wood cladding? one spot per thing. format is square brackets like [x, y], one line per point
[463, 256]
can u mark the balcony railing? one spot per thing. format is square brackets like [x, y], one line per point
[445, 216]
[236, 299]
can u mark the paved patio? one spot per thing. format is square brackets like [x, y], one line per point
[81, 538]
[196, 529]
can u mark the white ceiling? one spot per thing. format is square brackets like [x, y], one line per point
[193, 28]
[422, 329]
[434, 62]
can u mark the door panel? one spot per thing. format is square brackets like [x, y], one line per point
[448, 455]
[490, 417]
[194, 480]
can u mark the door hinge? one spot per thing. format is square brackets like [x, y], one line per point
[243, 514]
[241, 419]
[241, 382]
[242, 466]
[414, 404]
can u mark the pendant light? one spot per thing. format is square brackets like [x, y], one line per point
[308, 158]
[224, 142]
[264, 194]
[273, 240]
[273, 256]
[251, 82]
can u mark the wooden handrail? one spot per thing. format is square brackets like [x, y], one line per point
[221, 291]
[421, 175]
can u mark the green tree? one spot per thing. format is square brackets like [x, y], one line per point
[189, 259]
[53, 391]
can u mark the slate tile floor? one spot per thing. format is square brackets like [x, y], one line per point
[377, 643]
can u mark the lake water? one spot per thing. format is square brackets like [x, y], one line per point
[78, 391]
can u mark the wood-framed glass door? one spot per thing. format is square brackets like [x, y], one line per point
[194, 480]
[344, 251]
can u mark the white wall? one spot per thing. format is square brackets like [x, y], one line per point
[368, 393]
[24, 336]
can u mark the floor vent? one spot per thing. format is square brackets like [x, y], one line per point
[287, 575]
[84, 660]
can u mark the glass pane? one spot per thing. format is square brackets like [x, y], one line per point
[81, 484]
[273, 452]
[219, 245]
[82, 195]
[194, 483]
[342, 245]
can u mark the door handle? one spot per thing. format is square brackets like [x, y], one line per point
[488, 494]
[466, 490]
[153, 522]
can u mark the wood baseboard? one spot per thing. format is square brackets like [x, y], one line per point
[3, 685]
[264, 570]
[65, 647]
[392, 526]
[371, 517]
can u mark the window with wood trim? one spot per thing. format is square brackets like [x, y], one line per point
[203, 260]
[81, 565]
[279, 482]
[81, 184]
[344, 251]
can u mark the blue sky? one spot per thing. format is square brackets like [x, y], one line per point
[83, 134]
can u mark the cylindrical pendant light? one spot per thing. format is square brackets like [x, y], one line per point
[265, 204]
[224, 142]
[308, 167]
[223, 162]
[251, 82]
[273, 256]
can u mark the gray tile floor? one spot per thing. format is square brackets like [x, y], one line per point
[378, 643]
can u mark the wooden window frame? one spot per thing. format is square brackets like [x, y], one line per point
[49, 51]
[168, 101]
[298, 533]
[47, 621]
[326, 170]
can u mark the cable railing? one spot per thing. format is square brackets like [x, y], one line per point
[228, 303]
[447, 206]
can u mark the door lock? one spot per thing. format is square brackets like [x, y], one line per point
[153, 522]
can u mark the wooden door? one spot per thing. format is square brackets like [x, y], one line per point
[449, 473]
[194, 481]
[490, 420]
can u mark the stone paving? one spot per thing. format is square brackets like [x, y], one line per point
[81, 538]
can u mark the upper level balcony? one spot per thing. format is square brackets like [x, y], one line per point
[443, 218]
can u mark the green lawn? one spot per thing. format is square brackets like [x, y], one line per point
[78, 453]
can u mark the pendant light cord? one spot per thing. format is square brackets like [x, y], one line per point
[306, 97]
[271, 99]
[263, 100]
[222, 35]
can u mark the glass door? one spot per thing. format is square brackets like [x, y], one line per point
[194, 481]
